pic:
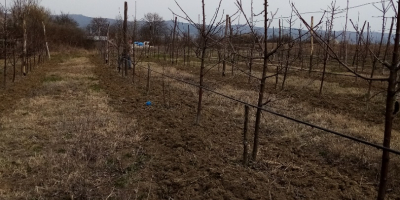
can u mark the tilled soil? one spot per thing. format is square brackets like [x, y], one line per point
[188, 161]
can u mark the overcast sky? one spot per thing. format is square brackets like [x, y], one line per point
[111, 8]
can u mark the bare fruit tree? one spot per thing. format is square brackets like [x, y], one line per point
[262, 43]
[392, 90]
[204, 42]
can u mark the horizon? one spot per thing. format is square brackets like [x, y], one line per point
[351, 34]
[364, 11]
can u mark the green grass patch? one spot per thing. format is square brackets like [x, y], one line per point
[95, 87]
[52, 78]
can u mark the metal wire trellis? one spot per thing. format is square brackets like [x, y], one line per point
[397, 152]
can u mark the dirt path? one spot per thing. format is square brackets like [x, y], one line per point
[64, 140]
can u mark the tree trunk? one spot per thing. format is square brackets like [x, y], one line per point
[389, 115]
[251, 59]
[262, 85]
[388, 43]
[312, 46]
[357, 54]
[345, 33]
[280, 61]
[366, 48]
[5, 50]
[301, 50]
[375, 61]
[173, 42]
[202, 65]
[287, 56]
[225, 45]
[328, 35]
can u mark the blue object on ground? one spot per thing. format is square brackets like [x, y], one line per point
[148, 103]
[140, 44]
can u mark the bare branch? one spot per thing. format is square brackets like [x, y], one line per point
[332, 53]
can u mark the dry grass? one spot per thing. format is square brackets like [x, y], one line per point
[66, 141]
[293, 81]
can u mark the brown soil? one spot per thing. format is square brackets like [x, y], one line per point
[204, 162]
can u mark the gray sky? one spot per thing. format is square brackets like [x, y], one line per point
[111, 8]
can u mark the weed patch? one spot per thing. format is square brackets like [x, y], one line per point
[52, 78]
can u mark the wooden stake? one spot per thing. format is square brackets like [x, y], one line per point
[188, 56]
[24, 48]
[125, 27]
[45, 40]
[14, 61]
[245, 143]
[107, 46]
[148, 79]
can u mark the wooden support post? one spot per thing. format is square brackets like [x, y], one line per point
[148, 79]
[45, 40]
[24, 47]
[125, 28]
[177, 52]
[14, 61]
[133, 60]
[245, 143]
[108, 46]
[188, 56]
[184, 54]
[34, 60]
[166, 103]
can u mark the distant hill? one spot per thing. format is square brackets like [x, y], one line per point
[83, 21]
